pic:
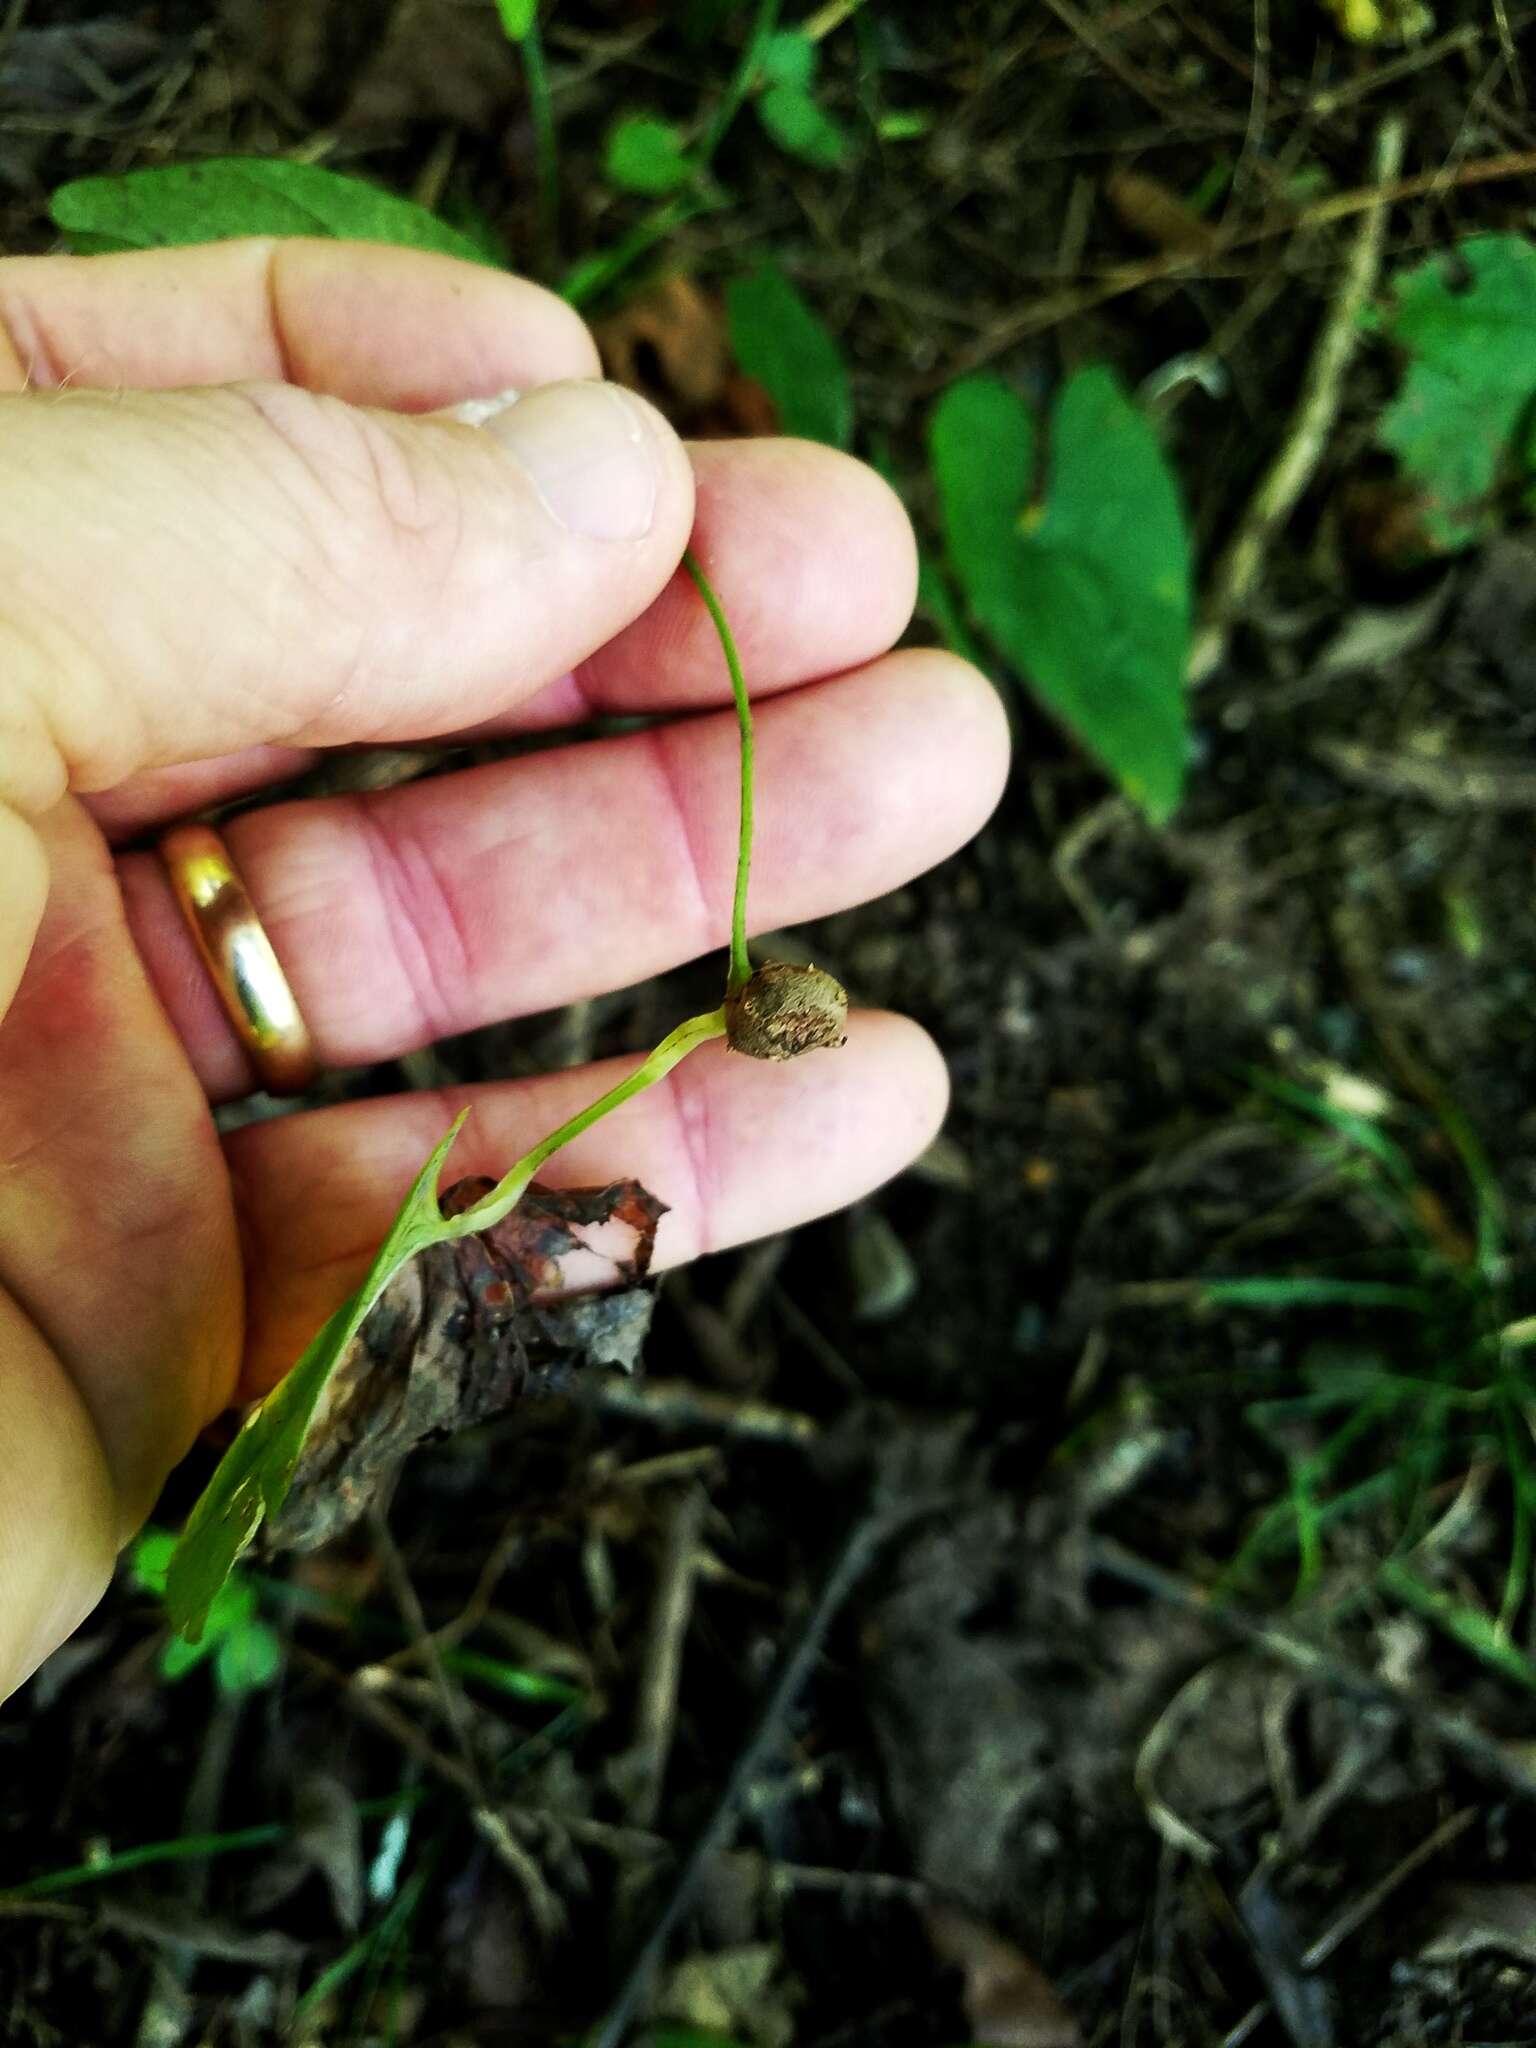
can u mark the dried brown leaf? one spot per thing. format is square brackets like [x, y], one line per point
[1155, 214]
[670, 343]
[459, 1334]
[1009, 2001]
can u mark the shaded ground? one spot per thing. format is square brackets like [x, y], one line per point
[1303, 1816]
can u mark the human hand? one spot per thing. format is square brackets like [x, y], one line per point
[198, 587]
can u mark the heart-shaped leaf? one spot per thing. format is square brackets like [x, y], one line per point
[779, 340]
[1087, 590]
[228, 196]
[799, 124]
[646, 155]
[789, 57]
[1470, 379]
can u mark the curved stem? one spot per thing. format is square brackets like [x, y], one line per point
[546, 146]
[508, 1192]
[734, 98]
[741, 963]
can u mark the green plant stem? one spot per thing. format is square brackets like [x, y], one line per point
[741, 81]
[595, 274]
[586, 280]
[818, 26]
[508, 1192]
[741, 964]
[546, 147]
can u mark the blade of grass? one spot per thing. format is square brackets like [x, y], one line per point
[1475, 1631]
[1310, 1291]
[379, 1940]
[1358, 1131]
[1487, 1199]
[1522, 1482]
[1276, 1521]
[187, 1849]
[512, 1679]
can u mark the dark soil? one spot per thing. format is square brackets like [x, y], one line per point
[1074, 1745]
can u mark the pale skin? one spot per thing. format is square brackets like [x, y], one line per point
[227, 541]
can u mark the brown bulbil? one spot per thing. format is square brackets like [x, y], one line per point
[784, 1011]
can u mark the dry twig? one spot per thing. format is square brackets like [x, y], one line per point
[660, 1678]
[1237, 572]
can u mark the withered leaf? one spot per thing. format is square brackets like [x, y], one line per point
[459, 1334]
[1009, 2000]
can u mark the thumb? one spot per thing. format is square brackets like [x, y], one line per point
[184, 574]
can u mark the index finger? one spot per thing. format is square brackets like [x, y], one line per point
[404, 329]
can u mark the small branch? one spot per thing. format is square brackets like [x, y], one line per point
[859, 1550]
[1237, 572]
[1040, 314]
[661, 1676]
[679, 1404]
[423, 1642]
[1499, 1762]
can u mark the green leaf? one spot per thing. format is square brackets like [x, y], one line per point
[1087, 593]
[1470, 379]
[517, 17]
[789, 57]
[254, 1475]
[780, 341]
[802, 127]
[179, 1657]
[646, 155]
[232, 1608]
[936, 602]
[149, 1559]
[248, 1659]
[226, 196]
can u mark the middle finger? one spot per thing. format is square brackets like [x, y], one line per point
[410, 914]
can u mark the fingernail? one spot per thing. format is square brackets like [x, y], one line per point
[591, 455]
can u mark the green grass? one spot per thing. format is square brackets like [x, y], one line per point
[1377, 1433]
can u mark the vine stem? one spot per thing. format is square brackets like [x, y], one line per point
[696, 1031]
[734, 98]
[596, 273]
[506, 1194]
[542, 113]
[741, 964]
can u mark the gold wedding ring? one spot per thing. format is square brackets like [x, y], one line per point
[238, 955]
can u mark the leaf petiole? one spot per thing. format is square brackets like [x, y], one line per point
[741, 965]
[509, 1191]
